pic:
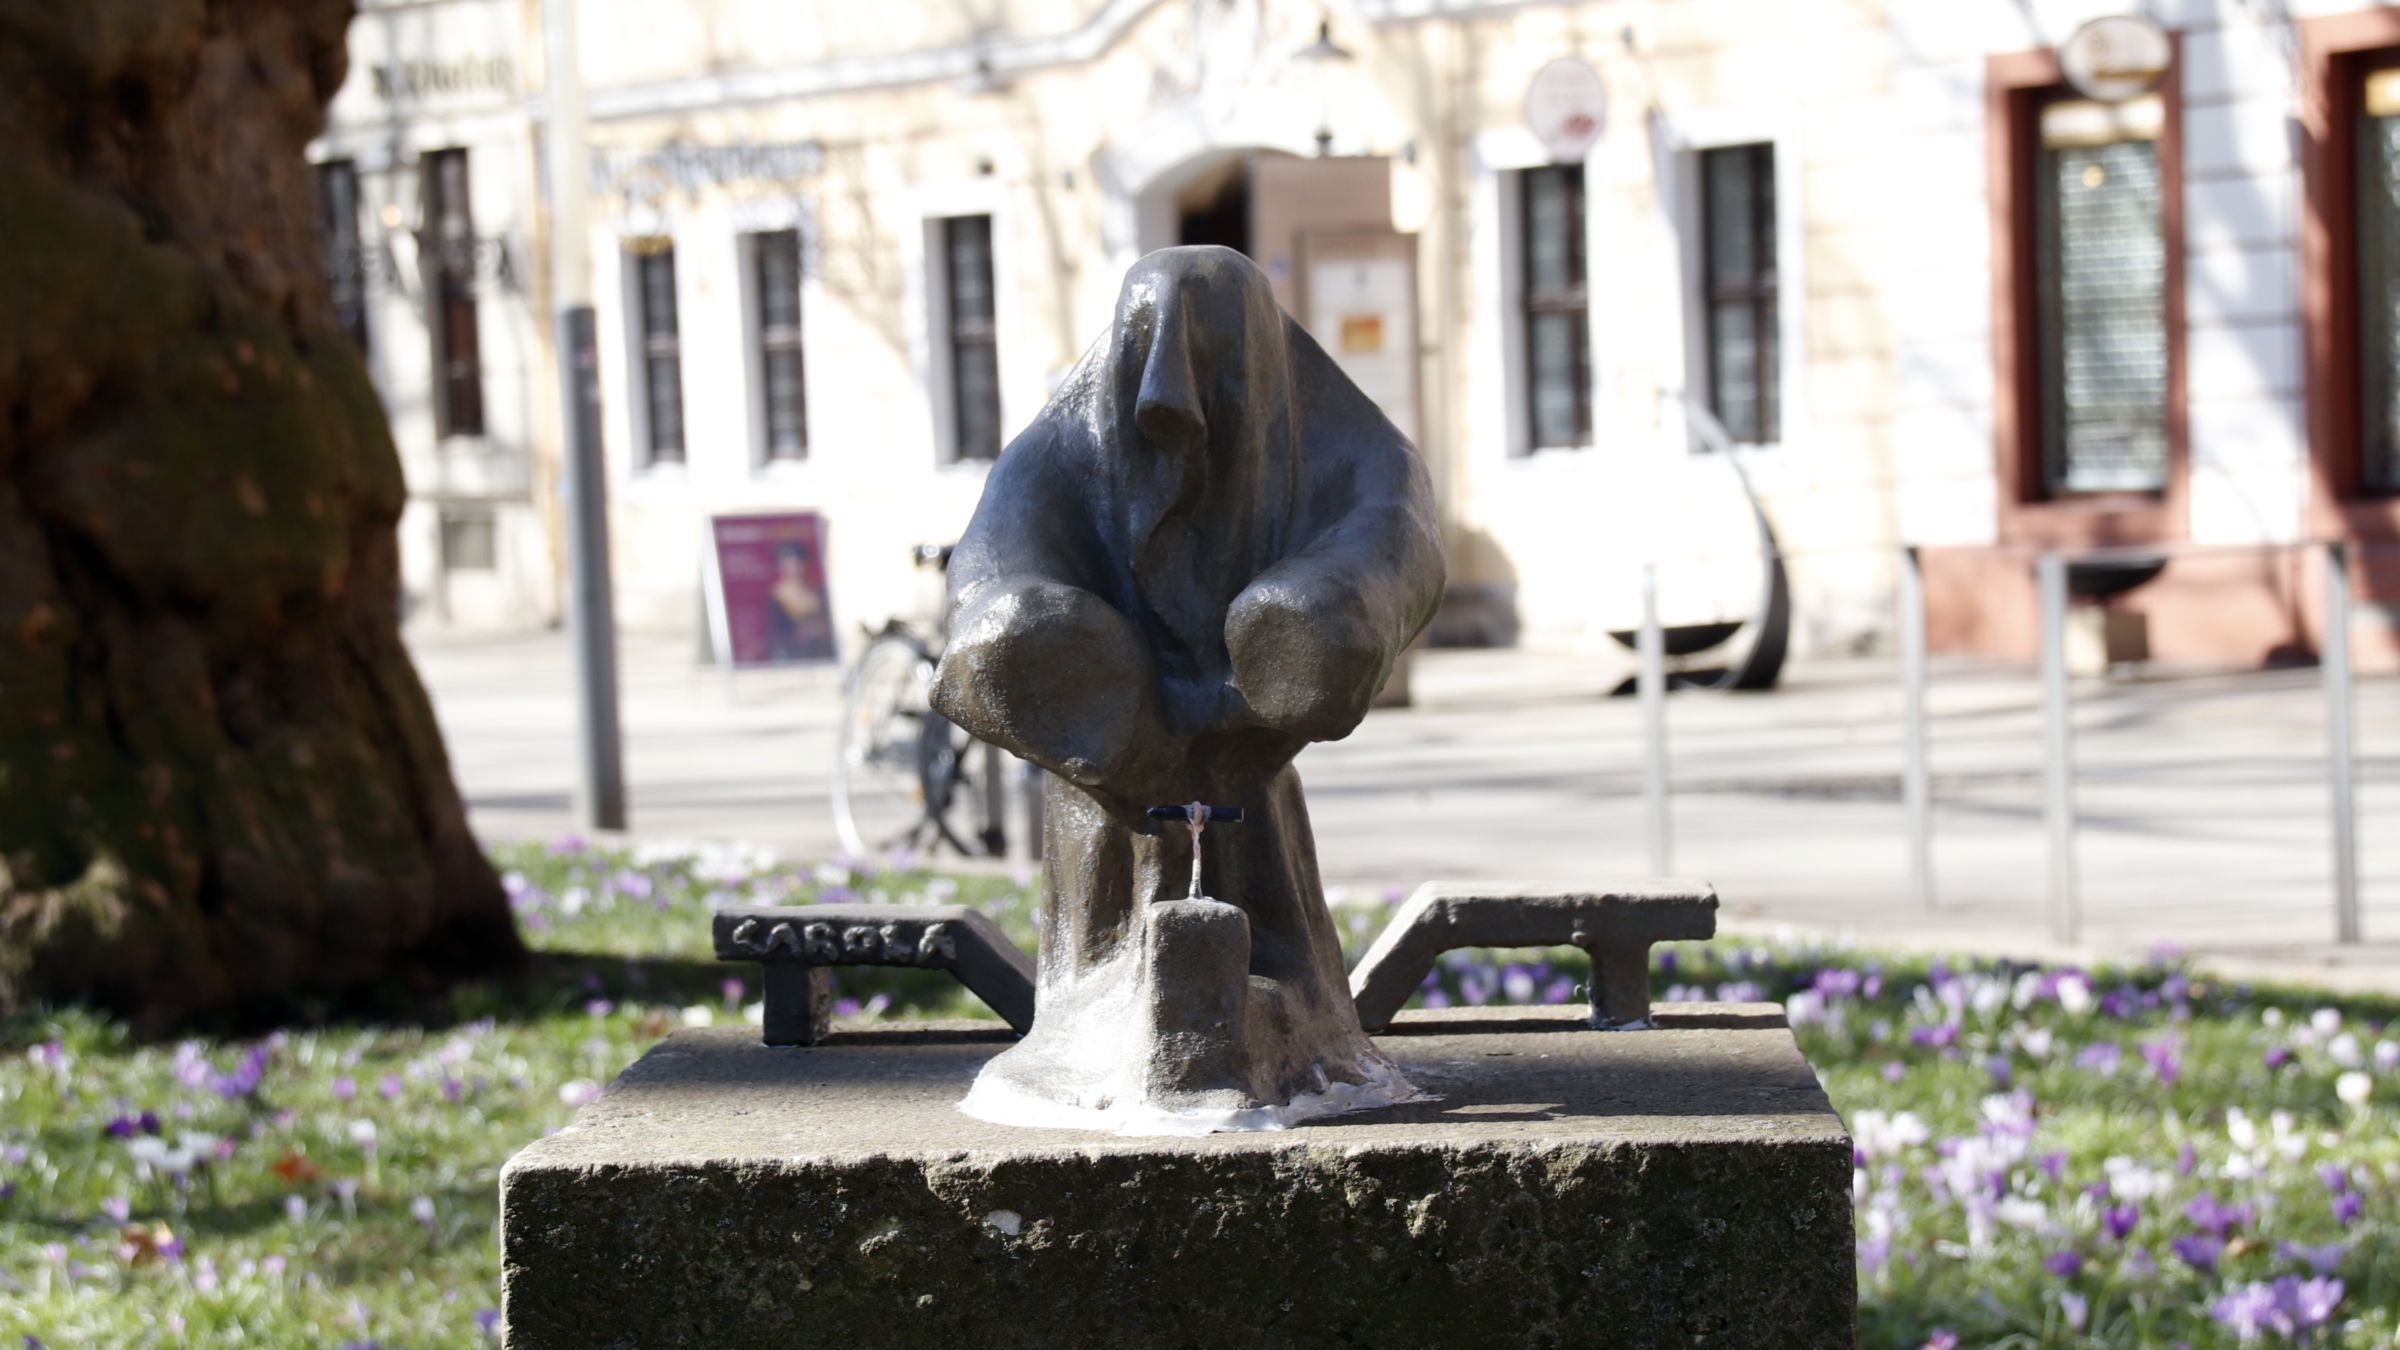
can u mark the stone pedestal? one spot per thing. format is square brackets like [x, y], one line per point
[1685, 1185]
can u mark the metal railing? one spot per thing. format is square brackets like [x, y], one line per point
[2056, 698]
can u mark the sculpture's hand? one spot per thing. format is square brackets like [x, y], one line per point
[1307, 656]
[1056, 675]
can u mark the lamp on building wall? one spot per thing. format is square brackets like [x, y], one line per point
[1318, 59]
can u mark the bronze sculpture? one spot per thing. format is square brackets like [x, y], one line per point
[1206, 552]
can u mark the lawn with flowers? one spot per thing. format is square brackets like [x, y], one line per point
[2045, 1156]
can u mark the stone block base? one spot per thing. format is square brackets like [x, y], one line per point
[1688, 1185]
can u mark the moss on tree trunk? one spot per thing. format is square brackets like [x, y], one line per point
[220, 779]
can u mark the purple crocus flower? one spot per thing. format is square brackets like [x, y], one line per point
[243, 1081]
[1872, 1253]
[1936, 1037]
[344, 1088]
[2102, 1058]
[122, 1127]
[2277, 1057]
[1838, 982]
[1997, 1067]
[2166, 1058]
[2215, 1218]
[2347, 1207]
[2335, 1176]
[2320, 1260]
[2246, 1311]
[2187, 1160]
[487, 1320]
[2310, 1303]
[2198, 1252]
[2066, 1264]
[2120, 1220]
[2054, 1164]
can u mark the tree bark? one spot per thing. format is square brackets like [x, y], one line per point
[220, 779]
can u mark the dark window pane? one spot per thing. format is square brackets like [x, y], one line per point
[658, 293]
[1554, 229]
[778, 256]
[974, 350]
[1558, 357]
[1734, 347]
[1732, 214]
[1558, 362]
[2379, 302]
[345, 258]
[450, 243]
[662, 353]
[470, 542]
[1738, 298]
[2102, 272]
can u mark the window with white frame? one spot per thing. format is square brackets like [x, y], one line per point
[1555, 307]
[659, 353]
[1739, 301]
[970, 335]
[783, 394]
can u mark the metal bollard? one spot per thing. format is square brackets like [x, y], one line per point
[1651, 683]
[1916, 785]
[2058, 765]
[2339, 764]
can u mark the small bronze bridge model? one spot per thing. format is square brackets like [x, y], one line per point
[1616, 927]
[796, 944]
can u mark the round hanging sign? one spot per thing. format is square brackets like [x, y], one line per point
[1564, 106]
[2115, 57]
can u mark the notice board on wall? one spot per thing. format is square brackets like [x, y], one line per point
[765, 588]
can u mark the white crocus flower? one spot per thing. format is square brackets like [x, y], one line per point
[2075, 995]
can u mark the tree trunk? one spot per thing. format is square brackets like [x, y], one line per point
[220, 780]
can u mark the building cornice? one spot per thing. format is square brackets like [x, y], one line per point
[991, 61]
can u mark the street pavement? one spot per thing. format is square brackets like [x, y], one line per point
[2202, 798]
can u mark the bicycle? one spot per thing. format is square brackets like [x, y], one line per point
[901, 775]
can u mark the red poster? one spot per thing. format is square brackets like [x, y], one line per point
[767, 589]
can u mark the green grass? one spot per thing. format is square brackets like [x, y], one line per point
[345, 1192]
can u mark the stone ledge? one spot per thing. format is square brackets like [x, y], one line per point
[1684, 1185]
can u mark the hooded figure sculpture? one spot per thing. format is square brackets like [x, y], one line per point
[1206, 552]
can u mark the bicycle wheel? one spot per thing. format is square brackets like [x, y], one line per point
[878, 784]
[959, 808]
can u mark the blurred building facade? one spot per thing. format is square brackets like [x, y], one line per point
[1932, 295]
